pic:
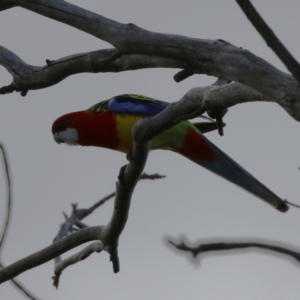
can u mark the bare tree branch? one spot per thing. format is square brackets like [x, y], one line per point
[128, 178]
[83, 254]
[217, 246]
[74, 219]
[217, 58]
[80, 214]
[28, 77]
[108, 235]
[271, 39]
[192, 104]
[50, 252]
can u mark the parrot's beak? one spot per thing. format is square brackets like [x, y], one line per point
[56, 137]
[68, 136]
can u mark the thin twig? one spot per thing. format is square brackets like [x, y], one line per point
[152, 176]
[108, 197]
[9, 198]
[292, 204]
[270, 38]
[16, 283]
[99, 203]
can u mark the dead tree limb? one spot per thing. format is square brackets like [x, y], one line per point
[220, 246]
[212, 57]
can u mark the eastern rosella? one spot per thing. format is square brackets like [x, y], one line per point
[109, 123]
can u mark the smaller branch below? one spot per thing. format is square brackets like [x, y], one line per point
[75, 219]
[83, 254]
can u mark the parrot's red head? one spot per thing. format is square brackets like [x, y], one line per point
[86, 129]
[64, 129]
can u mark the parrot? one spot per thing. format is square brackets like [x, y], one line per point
[109, 123]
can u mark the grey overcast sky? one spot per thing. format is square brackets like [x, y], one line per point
[190, 202]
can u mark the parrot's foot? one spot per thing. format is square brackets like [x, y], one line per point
[218, 114]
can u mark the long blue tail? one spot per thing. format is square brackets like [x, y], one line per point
[224, 166]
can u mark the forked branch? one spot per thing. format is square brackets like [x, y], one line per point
[212, 57]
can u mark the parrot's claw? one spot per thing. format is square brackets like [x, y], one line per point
[218, 114]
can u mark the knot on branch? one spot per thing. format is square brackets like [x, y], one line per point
[49, 62]
[183, 74]
[8, 89]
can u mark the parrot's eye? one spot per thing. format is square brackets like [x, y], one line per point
[62, 125]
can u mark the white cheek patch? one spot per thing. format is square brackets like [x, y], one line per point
[68, 136]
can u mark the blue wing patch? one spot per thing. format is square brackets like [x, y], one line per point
[136, 104]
